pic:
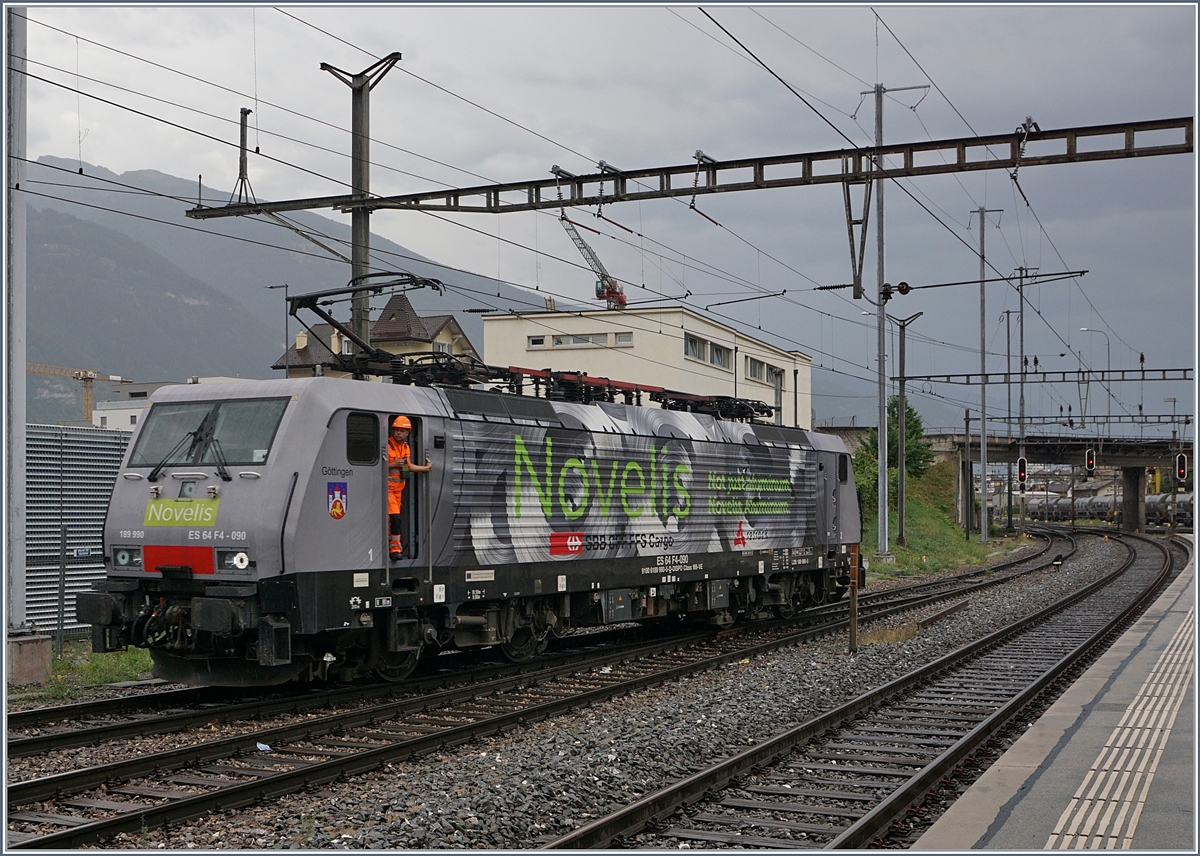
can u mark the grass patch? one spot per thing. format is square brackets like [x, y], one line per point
[881, 635]
[78, 669]
[935, 542]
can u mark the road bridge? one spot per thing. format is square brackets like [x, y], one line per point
[1131, 456]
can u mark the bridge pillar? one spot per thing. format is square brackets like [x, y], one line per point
[1133, 499]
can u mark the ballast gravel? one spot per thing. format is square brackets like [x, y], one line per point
[521, 789]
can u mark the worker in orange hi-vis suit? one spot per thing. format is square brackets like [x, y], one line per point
[399, 463]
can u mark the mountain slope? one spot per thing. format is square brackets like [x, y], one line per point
[100, 300]
[240, 256]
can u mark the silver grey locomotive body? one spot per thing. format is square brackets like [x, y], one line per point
[247, 536]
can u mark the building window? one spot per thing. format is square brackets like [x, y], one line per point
[139, 394]
[623, 338]
[103, 421]
[756, 369]
[693, 347]
[718, 356]
[776, 376]
[133, 419]
[441, 347]
[537, 341]
[591, 340]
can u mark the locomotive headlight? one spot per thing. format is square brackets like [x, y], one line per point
[127, 557]
[233, 560]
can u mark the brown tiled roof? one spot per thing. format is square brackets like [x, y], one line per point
[397, 324]
[316, 353]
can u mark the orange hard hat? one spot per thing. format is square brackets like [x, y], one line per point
[401, 422]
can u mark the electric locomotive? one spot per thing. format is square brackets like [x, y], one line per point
[248, 539]
[246, 542]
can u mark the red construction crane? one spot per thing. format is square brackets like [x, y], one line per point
[607, 288]
[85, 375]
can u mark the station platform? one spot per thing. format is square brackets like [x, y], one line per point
[1111, 764]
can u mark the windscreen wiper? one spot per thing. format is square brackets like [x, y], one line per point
[219, 454]
[154, 473]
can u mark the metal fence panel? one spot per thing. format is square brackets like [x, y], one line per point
[69, 478]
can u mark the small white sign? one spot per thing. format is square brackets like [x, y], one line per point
[439, 594]
[562, 582]
[481, 576]
[362, 580]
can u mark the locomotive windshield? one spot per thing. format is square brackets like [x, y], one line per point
[237, 431]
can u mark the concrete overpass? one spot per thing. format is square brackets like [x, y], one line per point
[1131, 456]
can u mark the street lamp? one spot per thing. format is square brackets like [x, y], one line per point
[1108, 390]
[1174, 481]
[1108, 351]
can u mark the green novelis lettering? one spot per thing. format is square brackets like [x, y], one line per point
[627, 491]
[181, 512]
[681, 488]
[605, 499]
[633, 483]
[521, 456]
[568, 511]
[653, 485]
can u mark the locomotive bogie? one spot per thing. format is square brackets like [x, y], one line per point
[247, 540]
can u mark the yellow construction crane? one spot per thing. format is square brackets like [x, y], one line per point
[85, 375]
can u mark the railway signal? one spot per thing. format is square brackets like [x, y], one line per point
[1089, 461]
[1022, 472]
[1181, 467]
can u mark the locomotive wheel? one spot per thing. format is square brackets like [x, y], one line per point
[523, 645]
[397, 665]
[786, 611]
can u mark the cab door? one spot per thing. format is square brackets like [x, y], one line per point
[412, 509]
[346, 497]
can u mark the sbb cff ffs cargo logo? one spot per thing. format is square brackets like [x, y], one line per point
[566, 543]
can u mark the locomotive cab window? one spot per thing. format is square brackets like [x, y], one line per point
[235, 431]
[843, 468]
[362, 439]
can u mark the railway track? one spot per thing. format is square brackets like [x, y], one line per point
[843, 779]
[84, 806]
[44, 730]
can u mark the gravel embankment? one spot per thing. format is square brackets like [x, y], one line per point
[515, 790]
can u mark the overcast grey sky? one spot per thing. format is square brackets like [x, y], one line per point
[494, 93]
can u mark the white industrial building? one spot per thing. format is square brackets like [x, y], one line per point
[123, 413]
[671, 347]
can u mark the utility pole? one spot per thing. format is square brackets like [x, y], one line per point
[983, 477]
[361, 85]
[14, 320]
[1008, 387]
[883, 554]
[1021, 397]
[902, 432]
[968, 490]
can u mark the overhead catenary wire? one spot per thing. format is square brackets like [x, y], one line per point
[463, 225]
[1016, 186]
[830, 315]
